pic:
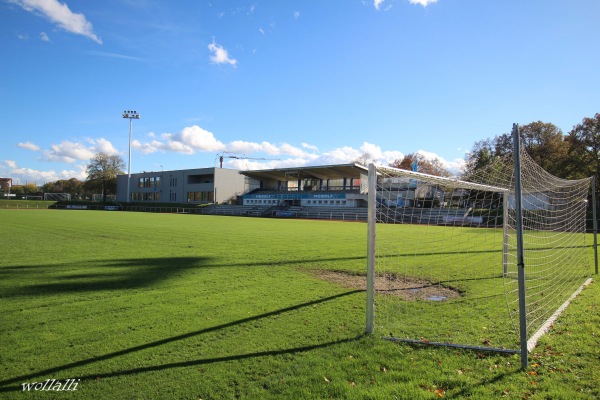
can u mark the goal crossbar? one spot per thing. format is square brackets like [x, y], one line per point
[440, 180]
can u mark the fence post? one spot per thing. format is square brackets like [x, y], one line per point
[520, 250]
[505, 234]
[372, 217]
[595, 224]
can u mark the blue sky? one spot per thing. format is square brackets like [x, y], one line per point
[283, 83]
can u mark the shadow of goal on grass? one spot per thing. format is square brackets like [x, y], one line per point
[104, 275]
[8, 385]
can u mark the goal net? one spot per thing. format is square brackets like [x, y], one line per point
[445, 258]
[100, 197]
[57, 196]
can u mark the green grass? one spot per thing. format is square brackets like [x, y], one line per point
[166, 306]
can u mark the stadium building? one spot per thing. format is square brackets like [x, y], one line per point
[196, 186]
[341, 185]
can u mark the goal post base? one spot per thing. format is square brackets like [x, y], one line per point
[454, 345]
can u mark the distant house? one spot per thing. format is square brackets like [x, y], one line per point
[5, 184]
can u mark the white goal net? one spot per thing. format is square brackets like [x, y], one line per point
[445, 255]
[57, 196]
[100, 197]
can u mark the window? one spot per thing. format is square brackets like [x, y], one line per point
[206, 178]
[199, 196]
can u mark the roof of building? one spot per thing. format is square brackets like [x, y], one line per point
[338, 171]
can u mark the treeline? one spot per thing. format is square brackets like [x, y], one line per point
[102, 174]
[76, 188]
[574, 155]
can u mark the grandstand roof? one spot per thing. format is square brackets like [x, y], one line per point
[320, 172]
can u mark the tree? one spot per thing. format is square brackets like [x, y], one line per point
[24, 190]
[480, 156]
[546, 145]
[544, 142]
[102, 173]
[431, 167]
[584, 150]
[365, 159]
[73, 186]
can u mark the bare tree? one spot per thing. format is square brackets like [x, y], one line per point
[431, 167]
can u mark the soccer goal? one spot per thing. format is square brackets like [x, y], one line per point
[100, 197]
[57, 196]
[485, 263]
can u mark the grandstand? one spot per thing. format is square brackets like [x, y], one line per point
[338, 186]
[336, 192]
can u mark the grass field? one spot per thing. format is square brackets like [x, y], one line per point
[27, 204]
[161, 306]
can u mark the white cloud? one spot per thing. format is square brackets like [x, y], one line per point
[340, 155]
[22, 175]
[377, 3]
[147, 148]
[114, 55]
[309, 147]
[71, 152]
[424, 3]
[240, 146]
[28, 146]
[296, 14]
[61, 15]
[454, 167]
[179, 147]
[379, 156]
[220, 55]
[195, 139]
[292, 150]
[192, 138]
[22, 37]
[103, 146]
[68, 152]
[44, 37]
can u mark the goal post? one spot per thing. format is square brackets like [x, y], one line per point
[449, 264]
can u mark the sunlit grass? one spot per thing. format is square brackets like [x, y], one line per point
[165, 306]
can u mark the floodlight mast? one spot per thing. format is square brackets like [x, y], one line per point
[131, 115]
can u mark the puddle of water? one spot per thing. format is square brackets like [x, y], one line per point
[437, 298]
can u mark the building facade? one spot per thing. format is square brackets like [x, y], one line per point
[194, 186]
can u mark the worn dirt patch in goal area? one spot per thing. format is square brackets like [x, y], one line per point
[407, 288]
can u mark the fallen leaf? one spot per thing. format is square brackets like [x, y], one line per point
[326, 380]
[440, 392]
[460, 372]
